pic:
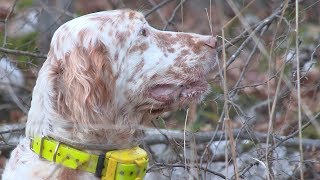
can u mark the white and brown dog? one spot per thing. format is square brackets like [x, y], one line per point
[107, 73]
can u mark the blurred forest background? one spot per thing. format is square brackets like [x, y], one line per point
[261, 120]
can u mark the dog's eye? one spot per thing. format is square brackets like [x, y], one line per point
[144, 32]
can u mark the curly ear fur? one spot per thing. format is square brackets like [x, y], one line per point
[83, 86]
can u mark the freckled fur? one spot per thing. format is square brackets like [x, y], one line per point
[94, 85]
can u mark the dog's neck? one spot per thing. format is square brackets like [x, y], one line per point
[118, 127]
[44, 120]
[42, 124]
[66, 132]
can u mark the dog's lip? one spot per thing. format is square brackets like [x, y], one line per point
[194, 89]
[170, 93]
[181, 95]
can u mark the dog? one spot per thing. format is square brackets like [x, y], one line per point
[105, 75]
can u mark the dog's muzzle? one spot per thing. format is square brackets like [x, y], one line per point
[125, 164]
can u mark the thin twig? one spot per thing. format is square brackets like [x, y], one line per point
[299, 89]
[173, 14]
[190, 166]
[232, 144]
[158, 12]
[168, 140]
[271, 119]
[12, 130]
[267, 21]
[184, 138]
[236, 86]
[290, 141]
[312, 54]
[6, 22]
[157, 7]
[24, 53]
[16, 99]
[202, 137]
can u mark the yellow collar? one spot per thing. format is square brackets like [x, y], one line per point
[117, 164]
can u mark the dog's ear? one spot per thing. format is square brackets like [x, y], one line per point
[83, 85]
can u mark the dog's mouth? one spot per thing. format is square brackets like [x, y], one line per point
[178, 95]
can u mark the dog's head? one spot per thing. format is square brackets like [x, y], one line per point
[113, 68]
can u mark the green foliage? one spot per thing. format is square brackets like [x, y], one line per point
[210, 115]
[180, 116]
[24, 43]
[24, 4]
[160, 123]
[311, 133]
[290, 14]
[196, 126]
[216, 90]
[247, 100]
[246, 147]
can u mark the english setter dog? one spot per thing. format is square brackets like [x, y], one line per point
[107, 73]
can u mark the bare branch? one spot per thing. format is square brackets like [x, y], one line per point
[20, 129]
[290, 141]
[173, 14]
[24, 53]
[202, 137]
[157, 7]
[185, 165]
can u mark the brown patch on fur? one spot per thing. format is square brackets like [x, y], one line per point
[55, 74]
[100, 18]
[139, 66]
[165, 40]
[145, 78]
[180, 60]
[82, 34]
[116, 56]
[137, 69]
[102, 26]
[62, 38]
[122, 16]
[154, 77]
[188, 40]
[68, 174]
[197, 47]
[135, 15]
[121, 37]
[131, 15]
[171, 50]
[184, 52]
[173, 72]
[139, 48]
[184, 36]
[83, 84]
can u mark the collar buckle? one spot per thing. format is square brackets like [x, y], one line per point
[54, 158]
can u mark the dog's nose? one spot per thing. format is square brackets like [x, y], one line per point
[211, 42]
